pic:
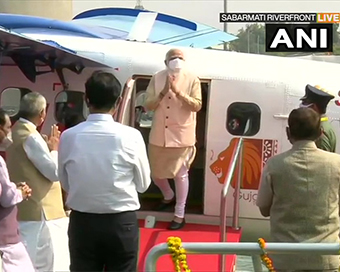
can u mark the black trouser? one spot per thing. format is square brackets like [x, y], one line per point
[98, 241]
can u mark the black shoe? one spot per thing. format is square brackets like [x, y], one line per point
[175, 225]
[164, 205]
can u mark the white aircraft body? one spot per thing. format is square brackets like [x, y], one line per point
[244, 95]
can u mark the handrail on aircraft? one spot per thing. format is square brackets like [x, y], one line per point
[236, 160]
[252, 249]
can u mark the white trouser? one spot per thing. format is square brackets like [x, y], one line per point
[58, 229]
[37, 240]
[15, 259]
[182, 189]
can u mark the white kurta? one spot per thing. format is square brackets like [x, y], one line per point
[43, 248]
[47, 244]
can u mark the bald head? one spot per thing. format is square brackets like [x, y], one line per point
[304, 124]
[32, 105]
[33, 108]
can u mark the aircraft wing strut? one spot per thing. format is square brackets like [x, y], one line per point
[28, 54]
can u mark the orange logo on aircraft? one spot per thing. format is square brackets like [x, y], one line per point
[256, 153]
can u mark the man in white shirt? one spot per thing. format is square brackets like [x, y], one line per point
[102, 167]
[32, 160]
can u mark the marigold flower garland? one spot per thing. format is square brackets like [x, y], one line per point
[264, 256]
[178, 255]
[179, 258]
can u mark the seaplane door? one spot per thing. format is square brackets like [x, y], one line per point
[123, 114]
[241, 108]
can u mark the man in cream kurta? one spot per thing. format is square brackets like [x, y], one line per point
[32, 160]
[174, 94]
[300, 193]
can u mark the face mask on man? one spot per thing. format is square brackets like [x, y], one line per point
[6, 142]
[305, 106]
[176, 64]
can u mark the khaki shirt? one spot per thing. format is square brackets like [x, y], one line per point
[174, 120]
[301, 188]
[327, 140]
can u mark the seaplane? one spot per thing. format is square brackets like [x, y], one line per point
[245, 96]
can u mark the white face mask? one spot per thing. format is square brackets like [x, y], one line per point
[7, 141]
[305, 106]
[176, 65]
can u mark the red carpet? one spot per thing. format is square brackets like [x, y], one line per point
[190, 233]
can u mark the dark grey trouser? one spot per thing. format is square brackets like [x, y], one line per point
[106, 242]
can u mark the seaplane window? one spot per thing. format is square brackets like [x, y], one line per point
[69, 103]
[243, 119]
[10, 100]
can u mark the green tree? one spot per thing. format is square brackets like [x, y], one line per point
[251, 39]
[336, 39]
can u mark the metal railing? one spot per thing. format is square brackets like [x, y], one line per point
[252, 249]
[236, 160]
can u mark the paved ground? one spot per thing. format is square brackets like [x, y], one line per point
[245, 264]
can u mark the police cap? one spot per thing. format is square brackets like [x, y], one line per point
[317, 94]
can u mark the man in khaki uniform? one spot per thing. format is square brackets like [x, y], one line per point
[32, 160]
[174, 94]
[300, 192]
[318, 99]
